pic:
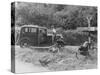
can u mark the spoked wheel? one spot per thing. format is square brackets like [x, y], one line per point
[24, 43]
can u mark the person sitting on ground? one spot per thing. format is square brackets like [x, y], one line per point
[60, 42]
[84, 48]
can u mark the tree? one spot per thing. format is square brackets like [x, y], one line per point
[66, 16]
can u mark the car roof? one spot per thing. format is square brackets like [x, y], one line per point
[36, 26]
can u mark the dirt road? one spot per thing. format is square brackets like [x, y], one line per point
[27, 61]
[22, 67]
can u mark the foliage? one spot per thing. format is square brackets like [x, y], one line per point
[66, 16]
[75, 38]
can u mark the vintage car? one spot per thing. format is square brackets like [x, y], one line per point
[34, 35]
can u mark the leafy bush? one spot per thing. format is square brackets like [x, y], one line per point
[66, 16]
[74, 38]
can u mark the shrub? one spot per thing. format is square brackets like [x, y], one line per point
[74, 38]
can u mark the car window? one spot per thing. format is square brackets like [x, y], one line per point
[33, 29]
[26, 29]
[23, 30]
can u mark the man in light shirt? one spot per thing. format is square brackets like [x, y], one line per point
[54, 33]
[53, 29]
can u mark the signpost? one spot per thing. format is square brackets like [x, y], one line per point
[89, 27]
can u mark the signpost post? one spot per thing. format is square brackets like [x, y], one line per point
[89, 27]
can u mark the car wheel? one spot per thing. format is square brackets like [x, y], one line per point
[24, 43]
